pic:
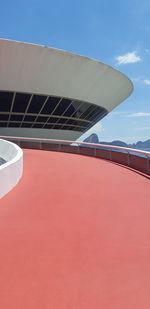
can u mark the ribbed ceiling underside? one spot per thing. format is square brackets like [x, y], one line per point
[26, 110]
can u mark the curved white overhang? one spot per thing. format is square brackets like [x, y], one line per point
[41, 70]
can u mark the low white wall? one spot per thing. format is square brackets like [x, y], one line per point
[41, 133]
[11, 171]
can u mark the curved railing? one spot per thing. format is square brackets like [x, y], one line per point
[133, 158]
[11, 170]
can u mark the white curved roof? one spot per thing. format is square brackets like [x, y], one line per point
[38, 69]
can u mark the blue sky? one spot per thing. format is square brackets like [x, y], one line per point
[114, 32]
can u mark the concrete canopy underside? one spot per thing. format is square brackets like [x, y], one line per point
[75, 234]
[39, 70]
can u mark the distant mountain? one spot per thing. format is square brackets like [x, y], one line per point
[139, 145]
[142, 145]
[93, 138]
[115, 143]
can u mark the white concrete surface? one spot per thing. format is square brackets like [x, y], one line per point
[40, 133]
[11, 171]
[42, 70]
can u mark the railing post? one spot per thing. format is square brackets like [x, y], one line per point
[59, 146]
[110, 156]
[148, 166]
[78, 149]
[128, 158]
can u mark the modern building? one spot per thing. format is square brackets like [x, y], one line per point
[74, 227]
[46, 92]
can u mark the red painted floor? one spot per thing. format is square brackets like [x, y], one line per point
[75, 234]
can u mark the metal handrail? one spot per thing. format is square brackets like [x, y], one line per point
[96, 147]
[68, 142]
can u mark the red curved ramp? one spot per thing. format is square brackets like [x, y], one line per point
[75, 233]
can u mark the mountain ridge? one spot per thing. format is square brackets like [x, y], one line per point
[93, 138]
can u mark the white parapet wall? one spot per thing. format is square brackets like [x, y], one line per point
[11, 171]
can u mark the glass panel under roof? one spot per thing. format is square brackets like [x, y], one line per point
[21, 102]
[5, 101]
[36, 103]
[50, 105]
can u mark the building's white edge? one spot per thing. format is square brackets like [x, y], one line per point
[11, 171]
[37, 69]
[41, 133]
[31, 68]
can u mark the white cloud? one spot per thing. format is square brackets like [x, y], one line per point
[147, 81]
[142, 128]
[117, 113]
[137, 79]
[132, 57]
[113, 114]
[140, 114]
